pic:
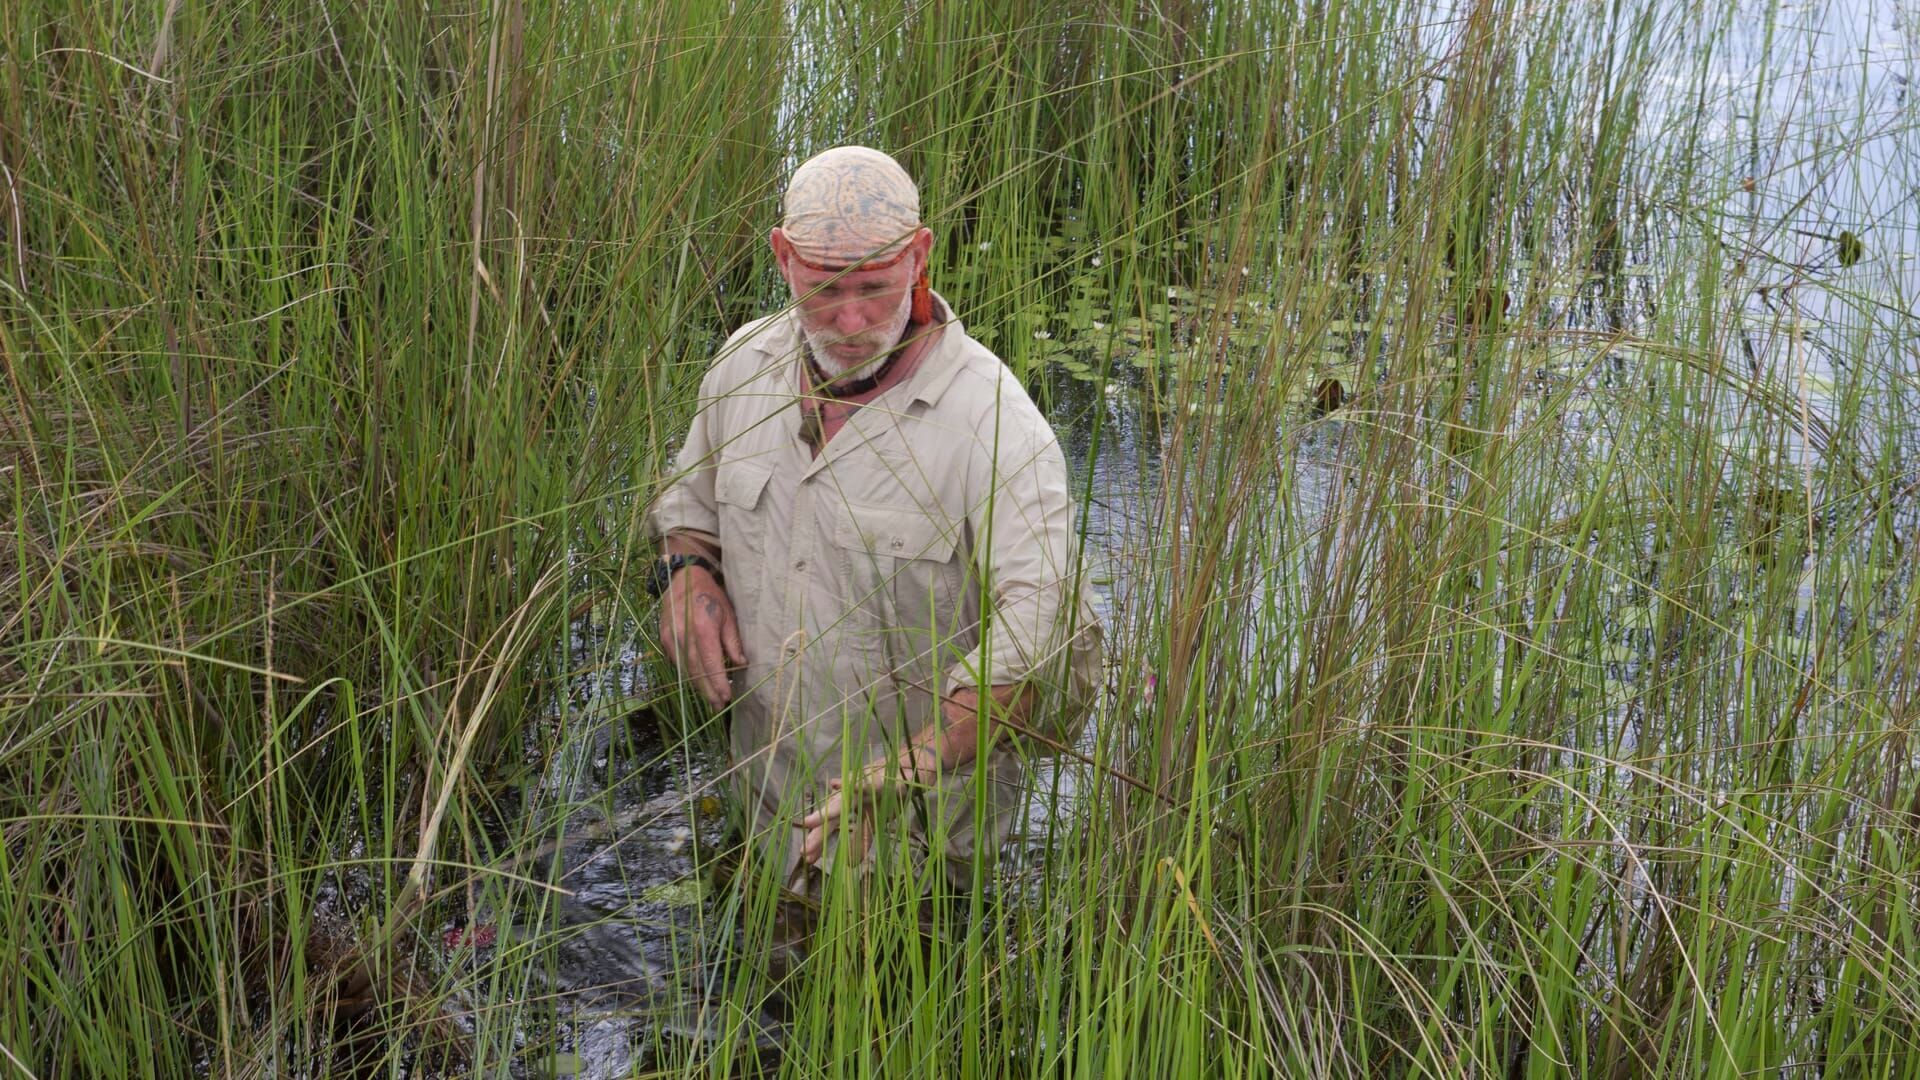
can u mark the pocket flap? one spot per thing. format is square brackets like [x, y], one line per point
[903, 534]
[740, 483]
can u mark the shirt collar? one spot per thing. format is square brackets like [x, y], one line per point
[939, 367]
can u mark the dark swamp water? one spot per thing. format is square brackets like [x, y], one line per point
[628, 805]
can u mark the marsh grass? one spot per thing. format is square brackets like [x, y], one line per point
[1542, 708]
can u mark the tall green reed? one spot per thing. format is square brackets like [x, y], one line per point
[1494, 723]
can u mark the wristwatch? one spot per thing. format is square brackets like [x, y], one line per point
[665, 567]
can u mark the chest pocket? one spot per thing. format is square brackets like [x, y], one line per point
[904, 572]
[740, 489]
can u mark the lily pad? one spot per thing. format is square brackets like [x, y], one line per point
[679, 893]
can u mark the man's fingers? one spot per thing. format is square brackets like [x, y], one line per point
[711, 667]
[669, 635]
[819, 825]
[814, 844]
[730, 638]
[827, 813]
[676, 616]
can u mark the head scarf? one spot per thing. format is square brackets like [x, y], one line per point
[849, 205]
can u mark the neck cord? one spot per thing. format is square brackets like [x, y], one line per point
[831, 386]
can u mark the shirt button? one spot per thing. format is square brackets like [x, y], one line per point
[898, 543]
[799, 564]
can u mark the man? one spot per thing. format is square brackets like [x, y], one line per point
[869, 551]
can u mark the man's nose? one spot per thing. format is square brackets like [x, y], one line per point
[846, 318]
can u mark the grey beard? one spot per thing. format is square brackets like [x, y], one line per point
[889, 336]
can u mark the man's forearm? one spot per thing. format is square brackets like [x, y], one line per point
[956, 740]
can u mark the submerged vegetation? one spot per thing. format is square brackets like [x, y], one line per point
[1510, 569]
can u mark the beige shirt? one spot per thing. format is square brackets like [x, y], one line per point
[860, 577]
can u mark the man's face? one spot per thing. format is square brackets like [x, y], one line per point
[851, 318]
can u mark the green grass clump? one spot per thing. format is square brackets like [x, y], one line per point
[1542, 708]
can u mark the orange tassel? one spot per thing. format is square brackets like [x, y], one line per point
[922, 311]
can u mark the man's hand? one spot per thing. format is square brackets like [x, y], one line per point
[876, 783]
[698, 632]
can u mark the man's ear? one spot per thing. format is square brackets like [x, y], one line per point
[922, 245]
[782, 248]
[782, 253]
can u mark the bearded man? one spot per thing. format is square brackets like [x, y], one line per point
[869, 553]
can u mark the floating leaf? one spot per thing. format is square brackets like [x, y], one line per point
[683, 892]
[1848, 248]
[1082, 314]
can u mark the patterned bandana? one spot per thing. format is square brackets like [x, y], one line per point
[850, 204]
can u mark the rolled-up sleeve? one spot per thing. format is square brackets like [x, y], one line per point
[1036, 629]
[687, 501]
